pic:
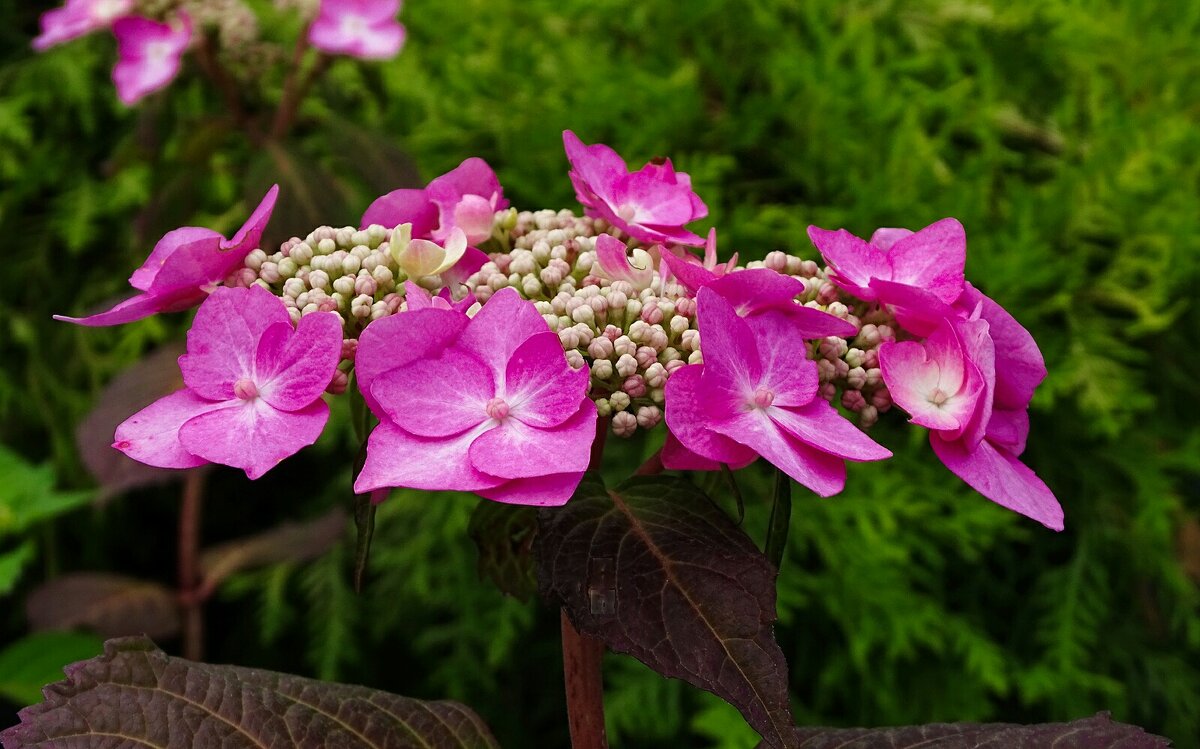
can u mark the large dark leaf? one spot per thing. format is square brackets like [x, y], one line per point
[135, 695]
[109, 605]
[656, 570]
[504, 536]
[129, 392]
[1096, 732]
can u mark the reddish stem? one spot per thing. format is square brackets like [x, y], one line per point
[652, 467]
[189, 565]
[216, 72]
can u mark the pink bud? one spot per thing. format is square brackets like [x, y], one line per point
[763, 397]
[651, 313]
[828, 391]
[338, 384]
[475, 215]
[624, 424]
[635, 386]
[648, 417]
[245, 389]
[600, 348]
[853, 400]
[497, 409]
[645, 356]
[349, 348]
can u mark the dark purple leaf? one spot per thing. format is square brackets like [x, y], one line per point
[504, 536]
[129, 392]
[1096, 732]
[136, 695]
[288, 542]
[656, 570]
[109, 605]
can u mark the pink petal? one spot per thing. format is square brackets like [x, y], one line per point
[149, 55]
[731, 357]
[294, 366]
[542, 491]
[249, 237]
[612, 262]
[932, 259]
[151, 436]
[758, 289]
[820, 425]
[980, 354]
[397, 458]
[917, 310]
[1002, 478]
[77, 18]
[1019, 364]
[853, 261]
[819, 471]
[688, 426]
[516, 450]
[691, 275]
[470, 263]
[252, 435]
[884, 238]
[810, 323]
[403, 207]
[143, 278]
[1008, 429]
[137, 307]
[787, 371]
[437, 396]
[396, 340]
[500, 327]
[464, 197]
[656, 197]
[223, 339]
[594, 169]
[415, 297]
[541, 388]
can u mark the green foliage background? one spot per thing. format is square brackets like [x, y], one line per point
[1063, 133]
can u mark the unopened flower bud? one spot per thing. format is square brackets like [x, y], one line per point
[619, 400]
[648, 417]
[651, 313]
[854, 357]
[568, 338]
[360, 306]
[344, 285]
[874, 377]
[624, 424]
[602, 369]
[338, 384]
[383, 277]
[856, 378]
[575, 359]
[690, 340]
[825, 370]
[269, 272]
[600, 348]
[645, 356]
[679, 324]
[695, 358]
[287, 267]
[319, 279]
[603, 407]
[853, 400]
[255, 259]
[326, 245]
[828, 391]
[626, 365]
[635, 385]
[656, 375]
[623, 345]
[868, 416]
[294, 287]
[776, 261]
[881, 399]
[633, 308]
[584, 314]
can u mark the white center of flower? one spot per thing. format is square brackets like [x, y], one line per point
[355, 26]
[763, 397]
[938, 397]
[497, 409]
[158, 52]
[626, 212]
[245, 389]
[106, 10]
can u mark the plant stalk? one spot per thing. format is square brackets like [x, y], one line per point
[189, 565]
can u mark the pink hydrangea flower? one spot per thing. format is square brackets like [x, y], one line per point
[756, 394]
[184, 267]
[692, 272]
[651, 205]
[78, 18]
[930, 260]
[359, 28]
[486, 404]
[417, 298]
[253, 387]
[949, 384]
[613, 263]
[148, 54]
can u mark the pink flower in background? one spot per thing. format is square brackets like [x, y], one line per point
[948, 383]
[78, 18]
[253, 387]
[149, 54]
[184, 267]
[651, 205]
[930, 260]
[756, 394]
[486, 404]
[359, 28]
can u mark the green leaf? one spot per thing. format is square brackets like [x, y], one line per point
[140, 694]
[12, 565]
[36, 660]
[656, 570]
[781, 519]
[504, 536]
[109, 605]
[27, 494]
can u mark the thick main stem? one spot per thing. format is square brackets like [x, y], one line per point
[582, 655]
[189, 565]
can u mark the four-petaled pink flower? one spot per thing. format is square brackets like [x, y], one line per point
[184, 267]
[950, 384]
[651, 205]
[78, 18]
[756, 394]
[359, 28]
[486, 404]
[253, 387]
[148, 54]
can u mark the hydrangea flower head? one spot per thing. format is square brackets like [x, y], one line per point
[253, 387]
[948, 383]
[184, 267]
[148, 54]
[78, 18]
[359, 28]
[486, 404]
[756, 394]
[651, 205]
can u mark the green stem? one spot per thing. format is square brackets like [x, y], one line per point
[781, 516]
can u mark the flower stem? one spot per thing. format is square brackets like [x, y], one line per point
[189, 565]
[585, 687]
